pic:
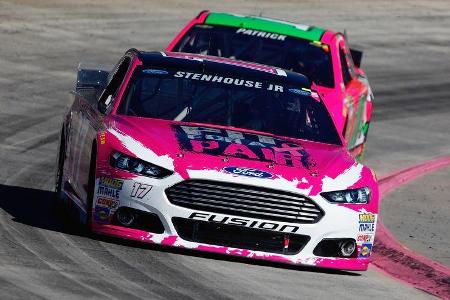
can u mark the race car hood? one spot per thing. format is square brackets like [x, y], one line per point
[186, 148]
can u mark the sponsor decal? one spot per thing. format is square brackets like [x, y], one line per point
[366, 218]
[257, 33]
[109, 187]
[248, 172]
[111, 182]
[367, 227]
[300, 92]
[364, 238]
[101, 214]
[107, 192]
[155, 71]
[140, 190]
[229, 81]
[110, 203]
[366, 249]
[367, 222]
[223, 142]
[244, 222]
[102, 138]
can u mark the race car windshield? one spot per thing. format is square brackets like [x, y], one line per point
[302, 56]
[228, 100]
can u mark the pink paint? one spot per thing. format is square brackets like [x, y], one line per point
[344, 263]
[197, 20]
[397, 260]
[134, 64]
[323, 160]
[169, 241]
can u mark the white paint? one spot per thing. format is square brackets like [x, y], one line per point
[348, 178]
[142, 152]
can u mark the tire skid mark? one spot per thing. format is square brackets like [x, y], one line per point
[159, 288]
[17, 291]
[83, 256]
[41, 140]
[397, 260]
[157, 266]
[33, 172]
[41, 280]
[53, 266]
[95, 277]
[15, 125]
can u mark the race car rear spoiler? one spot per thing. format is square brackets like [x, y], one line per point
[91, 80]
[92, 76]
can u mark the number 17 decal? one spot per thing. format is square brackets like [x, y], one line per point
[140, 190]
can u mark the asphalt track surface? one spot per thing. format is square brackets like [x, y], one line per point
[407, 46]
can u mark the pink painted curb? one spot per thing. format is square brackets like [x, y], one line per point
[397, 260]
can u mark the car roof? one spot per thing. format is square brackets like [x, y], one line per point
[306, 32]
[221, 65]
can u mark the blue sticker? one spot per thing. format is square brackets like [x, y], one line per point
[101, 214]
[155, 71]
[300, 92]
[366, 249]
[248, 172]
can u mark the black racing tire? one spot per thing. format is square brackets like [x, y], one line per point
[58, 201]
[60, 208]
[91, 187]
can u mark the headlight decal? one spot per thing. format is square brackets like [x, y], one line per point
[351, 196]
[137, 166]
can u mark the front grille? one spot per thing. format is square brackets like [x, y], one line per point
[239, 237]
[245, 201]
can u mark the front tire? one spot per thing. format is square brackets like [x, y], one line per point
[58, 197]
[91, 187]
[60, 166]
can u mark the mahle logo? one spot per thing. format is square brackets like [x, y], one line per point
[248, 172]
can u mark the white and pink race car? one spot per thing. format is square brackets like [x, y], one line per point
[216, 155]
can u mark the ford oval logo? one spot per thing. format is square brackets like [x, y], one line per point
[248, 172]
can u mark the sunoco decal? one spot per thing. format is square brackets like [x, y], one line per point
[221, 142]
[101, 214]
[366, 249]
[247, 172]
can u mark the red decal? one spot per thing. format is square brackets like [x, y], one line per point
[239, 150]
[268, 154]
[200, 146]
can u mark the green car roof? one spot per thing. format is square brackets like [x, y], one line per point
[264, 24]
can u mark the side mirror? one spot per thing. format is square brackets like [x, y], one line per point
[356, 56]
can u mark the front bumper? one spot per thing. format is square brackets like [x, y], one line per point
[116, 190]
